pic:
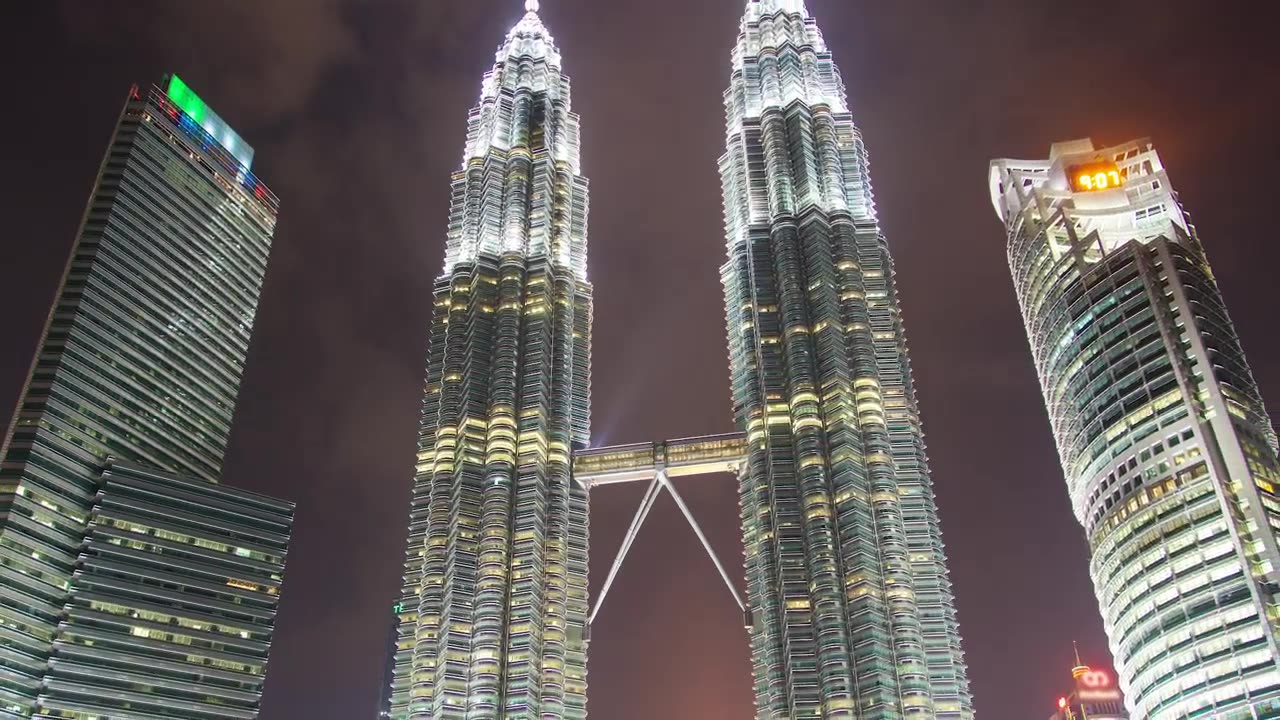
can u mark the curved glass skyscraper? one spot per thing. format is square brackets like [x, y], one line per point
[494, 604]
[1169, 457]
[852, 608]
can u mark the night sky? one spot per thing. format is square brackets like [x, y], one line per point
[358, 112]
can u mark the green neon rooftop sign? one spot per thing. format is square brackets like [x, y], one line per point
[190, 103]
[186, 99]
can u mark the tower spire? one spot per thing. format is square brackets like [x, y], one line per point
[530, 26]
[759, 8]
[1080, 668]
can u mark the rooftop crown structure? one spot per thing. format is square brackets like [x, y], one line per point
[494, 603]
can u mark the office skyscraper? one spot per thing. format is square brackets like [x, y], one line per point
[852, 608]
[494, 603]
[140, 364]
[1169, 457]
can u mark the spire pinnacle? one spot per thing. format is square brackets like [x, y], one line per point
[1080, 668]
[760, 8]
[530, 25]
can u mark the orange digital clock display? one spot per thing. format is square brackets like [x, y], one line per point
[1095, 176]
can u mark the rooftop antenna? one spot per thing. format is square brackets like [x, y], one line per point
[1080, 668]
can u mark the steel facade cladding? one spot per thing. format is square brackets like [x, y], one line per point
[853, 614]
[1169, 456]
[494, 604]
[173, 604]
[141, 359]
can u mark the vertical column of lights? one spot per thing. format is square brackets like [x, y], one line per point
[853, 614]
[494, 602]
[1168, 453]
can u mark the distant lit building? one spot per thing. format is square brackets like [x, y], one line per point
[1094, 696]
[1169, 456]
[139, 367]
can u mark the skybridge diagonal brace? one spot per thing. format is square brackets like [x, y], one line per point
[706, 544]
[646, 504]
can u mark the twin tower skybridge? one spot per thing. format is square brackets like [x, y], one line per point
[657, 463]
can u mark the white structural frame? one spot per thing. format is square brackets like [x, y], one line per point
[654, 469]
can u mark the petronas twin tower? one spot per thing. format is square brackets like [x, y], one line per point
[494, 607]
[851, 609]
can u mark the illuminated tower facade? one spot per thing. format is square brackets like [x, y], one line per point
[1169, 457]
[852, 612]
[135, 384]
[494, 604]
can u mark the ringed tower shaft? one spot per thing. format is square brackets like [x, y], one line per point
[494, 603]
[852, 609]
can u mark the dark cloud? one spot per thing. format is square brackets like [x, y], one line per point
[357, 109]
[269, 56]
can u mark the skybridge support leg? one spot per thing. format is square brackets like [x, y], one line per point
[659, 483]
[666, 483]
[646, 504]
